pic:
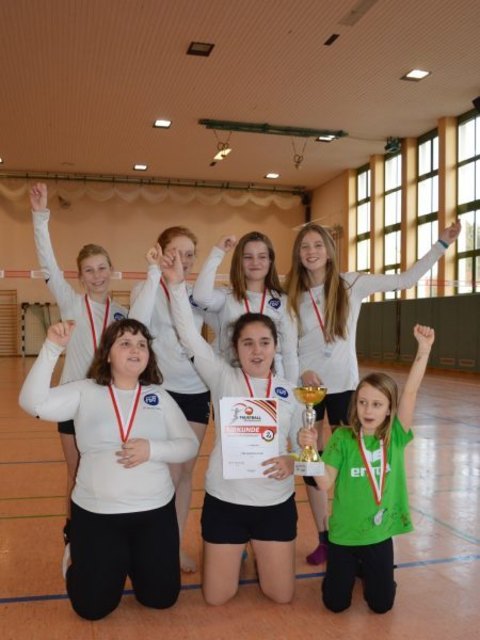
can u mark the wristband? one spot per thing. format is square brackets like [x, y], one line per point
[443, 243]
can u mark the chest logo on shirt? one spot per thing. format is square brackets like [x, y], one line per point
[281, 392]
[118, 316]
[151, 399]
[275, 303]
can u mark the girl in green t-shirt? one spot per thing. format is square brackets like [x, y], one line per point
[365, 463]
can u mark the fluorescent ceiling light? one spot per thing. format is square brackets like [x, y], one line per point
[272, 176]
[140, 167]
[1, 160]
[223, 153]
[326, 138]
[416, 74]
[162, 124]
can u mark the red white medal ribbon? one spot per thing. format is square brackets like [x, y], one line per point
[92, 324]
[262, 304]
[165, 288]
[317, 312]
[124, 434]
[376, 485]
[250, 388]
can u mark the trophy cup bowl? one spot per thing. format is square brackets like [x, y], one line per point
[309, 461]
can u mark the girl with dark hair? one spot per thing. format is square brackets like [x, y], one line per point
[254, 286]
[327, 304]
[241, 509]
[128, 430]
[365, 463]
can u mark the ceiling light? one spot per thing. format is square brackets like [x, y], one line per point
[416, 75]
[272, 176]
[200, 49]
[140, 167]
[1, 160]
[162, 124]
[326, 138]
[223, 151]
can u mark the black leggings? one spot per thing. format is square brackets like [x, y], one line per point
[377, 566]
[106, 548]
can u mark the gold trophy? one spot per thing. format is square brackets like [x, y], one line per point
[309, 463]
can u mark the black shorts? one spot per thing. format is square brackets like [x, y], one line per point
[67, 427]
[227, 523]
[337, 405]
[195, 406]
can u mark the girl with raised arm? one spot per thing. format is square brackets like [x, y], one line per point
[365, 464]
[241, 509]
[254, 287]
[128, 430]
[150, 303]
[92, 312]
[327, 304]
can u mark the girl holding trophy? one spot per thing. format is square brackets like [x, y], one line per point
[249, 492]
[255, 286]
[327, 304]
[365, 463]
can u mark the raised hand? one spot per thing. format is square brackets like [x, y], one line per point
[154, 255]
[451, 233]
[311, 379]
[38, 196]
[172, 268]
[424, 335]
[227, 243]
[61, 332]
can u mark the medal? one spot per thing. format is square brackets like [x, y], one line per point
[378, 517]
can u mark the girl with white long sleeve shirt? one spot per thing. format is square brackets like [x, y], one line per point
[236, 511]
[128, 429]
[255, 287]
[92, 312]
[327, 304]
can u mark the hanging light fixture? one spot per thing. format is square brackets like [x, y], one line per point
[223, 149]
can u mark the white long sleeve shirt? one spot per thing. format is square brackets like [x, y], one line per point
[102, 484]
[227, 381]
[223, 303]
[150, 304]
[336, 362]
[72, 305]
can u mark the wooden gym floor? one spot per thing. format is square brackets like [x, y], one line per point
[438, 572]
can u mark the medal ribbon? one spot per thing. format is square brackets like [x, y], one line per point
[92, 324]
[131, 415]
[250, 388]
[376, 485]
[164, 286]
[317, 312]
[262, 304]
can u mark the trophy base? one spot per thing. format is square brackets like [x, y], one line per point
[309, 468]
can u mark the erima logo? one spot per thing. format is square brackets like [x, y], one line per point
[275, 303]
[151, 399]
[118, 316]
[372, 456]
[280, 391]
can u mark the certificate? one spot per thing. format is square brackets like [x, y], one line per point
[249, 432]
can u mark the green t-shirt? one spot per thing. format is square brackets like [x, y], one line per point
[356, 518]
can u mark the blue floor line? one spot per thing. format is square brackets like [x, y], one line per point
[300, 576]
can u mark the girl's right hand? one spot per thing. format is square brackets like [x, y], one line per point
[311, 379]
[154, 255]
[172, 268]
[226, 243]
[38, 196]
[307, 437]
[61, 332]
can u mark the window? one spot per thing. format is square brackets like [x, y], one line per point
[363, 219]
[392, 217]
[468, 203]
[427, 208]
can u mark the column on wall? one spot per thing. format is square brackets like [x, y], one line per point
[447, 197]
[377, 168]
[409, 209]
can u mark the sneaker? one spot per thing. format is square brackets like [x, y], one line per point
[67, 560]
[319, 556]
